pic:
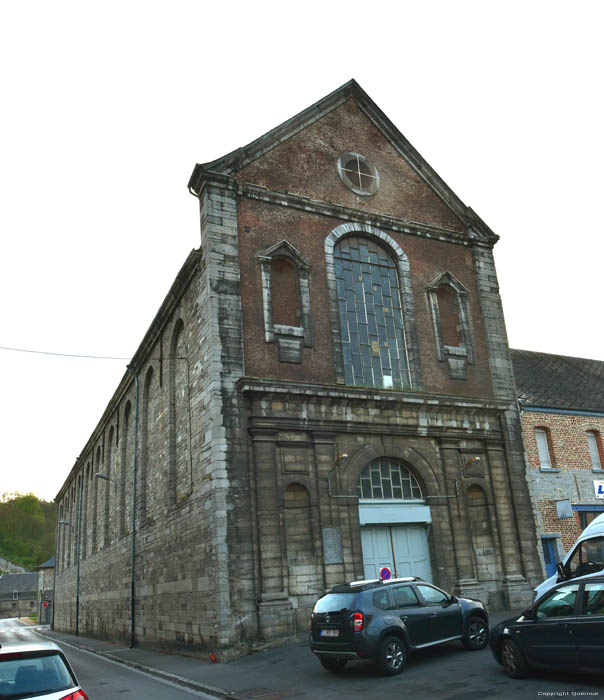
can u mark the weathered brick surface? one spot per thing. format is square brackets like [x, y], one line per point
[572, 473]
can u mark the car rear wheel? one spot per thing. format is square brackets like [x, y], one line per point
[476, 635]
[393, 656]
[512, 659]
[333, 665]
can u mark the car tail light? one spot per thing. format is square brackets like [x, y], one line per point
[357, 621]
[77, 695]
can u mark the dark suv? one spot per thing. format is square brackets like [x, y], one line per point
[384, 621]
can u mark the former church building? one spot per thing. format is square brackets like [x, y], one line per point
[327, 389]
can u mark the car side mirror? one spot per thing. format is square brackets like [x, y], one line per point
[452, 599]
[561, 570]
[529, 614]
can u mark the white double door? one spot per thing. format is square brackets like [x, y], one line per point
[402, 548]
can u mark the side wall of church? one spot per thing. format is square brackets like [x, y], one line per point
[180, 521]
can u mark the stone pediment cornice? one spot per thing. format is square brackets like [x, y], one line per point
[338, 408]
[206, 179]
[231, 163]
[342, 392]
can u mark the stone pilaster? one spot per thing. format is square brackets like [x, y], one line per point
[516, 590]
[466, 570]
[276, 616]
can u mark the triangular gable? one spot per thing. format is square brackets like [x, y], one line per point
[243, 157]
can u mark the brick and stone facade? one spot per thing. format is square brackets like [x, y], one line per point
[265, 391]
[563, 399]
[18, 595]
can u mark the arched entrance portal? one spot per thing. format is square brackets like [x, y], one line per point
[394, 521]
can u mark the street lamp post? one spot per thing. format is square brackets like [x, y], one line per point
[54, 590]
[78, 545]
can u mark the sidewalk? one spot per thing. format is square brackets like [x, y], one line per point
[253, 676]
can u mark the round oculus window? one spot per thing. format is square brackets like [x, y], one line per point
[358, 174]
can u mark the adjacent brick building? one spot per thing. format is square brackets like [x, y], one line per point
[327, 389]
[562, 402]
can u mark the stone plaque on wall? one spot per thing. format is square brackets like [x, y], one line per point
[296, 458]
[332, 546]
[290, 349]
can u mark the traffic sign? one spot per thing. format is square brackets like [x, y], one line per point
[45, 604]
[385, 573]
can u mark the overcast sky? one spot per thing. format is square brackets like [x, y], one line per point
[106, 108]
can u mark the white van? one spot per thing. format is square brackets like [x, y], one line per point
[584, 559]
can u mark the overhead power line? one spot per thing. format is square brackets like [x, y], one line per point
[64, 354]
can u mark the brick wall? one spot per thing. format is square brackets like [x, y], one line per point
[572, 473]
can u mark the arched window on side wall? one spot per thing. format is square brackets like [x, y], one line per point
[98, 468]
[108, 484]
[147, 427]
[124, 458]
[180, 474]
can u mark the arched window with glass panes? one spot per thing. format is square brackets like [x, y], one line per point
[385, 479]
[370, 314]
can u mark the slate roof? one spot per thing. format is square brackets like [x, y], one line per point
[22, 583]
[50, 564]
[557, 381]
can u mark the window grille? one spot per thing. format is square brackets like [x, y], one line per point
[383, 479]
[358, 174]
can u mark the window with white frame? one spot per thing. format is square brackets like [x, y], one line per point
[358, 173]
[543, 448]
[593, 442]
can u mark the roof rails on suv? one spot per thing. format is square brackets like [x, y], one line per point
[367, 584]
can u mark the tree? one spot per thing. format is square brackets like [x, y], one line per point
[27, 529]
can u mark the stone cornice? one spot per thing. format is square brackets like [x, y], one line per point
[453, 434]
[207, 179]
[347, 394]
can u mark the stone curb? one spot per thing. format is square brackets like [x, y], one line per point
[172, 677]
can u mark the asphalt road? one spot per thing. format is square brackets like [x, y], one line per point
[101, 678]
[441, 673]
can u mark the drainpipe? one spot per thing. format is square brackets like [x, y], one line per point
[337, 463]
[133, 538]
[54, 574]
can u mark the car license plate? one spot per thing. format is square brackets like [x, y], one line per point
[330, 633]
